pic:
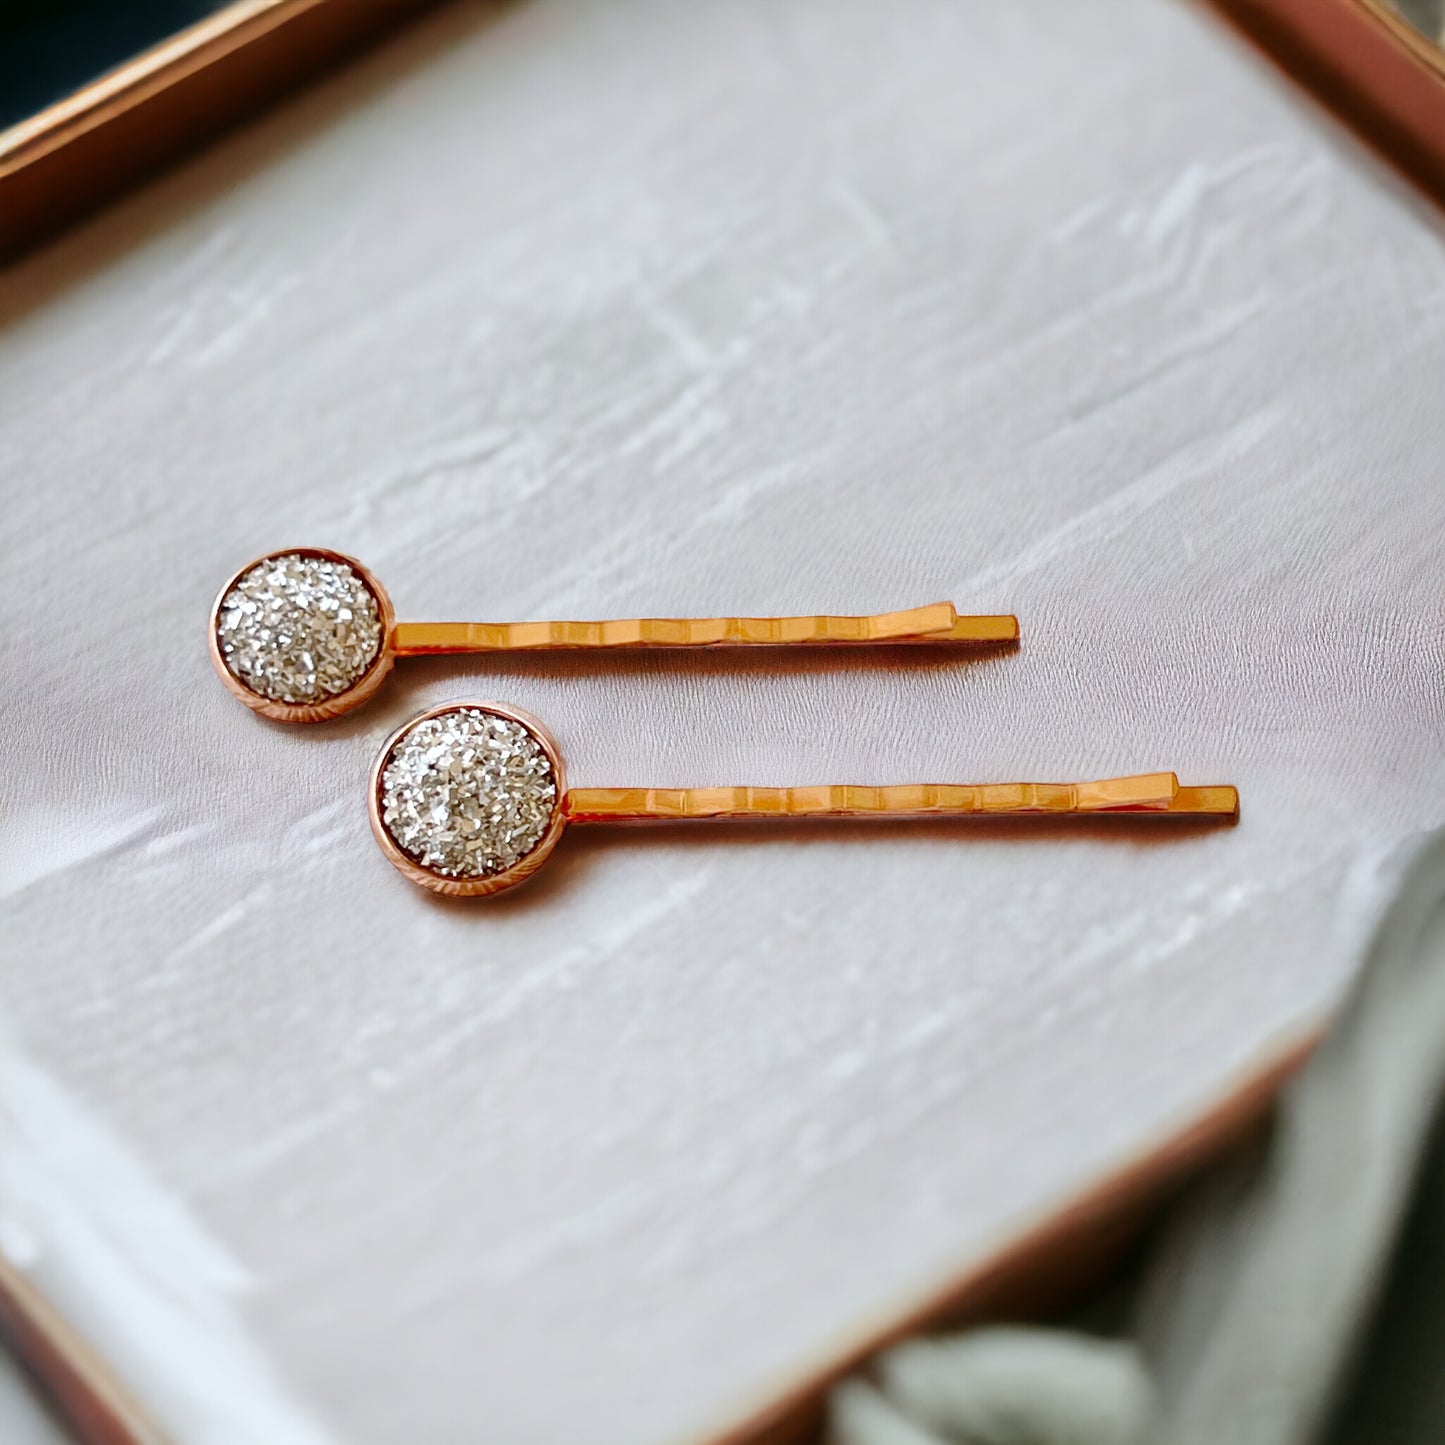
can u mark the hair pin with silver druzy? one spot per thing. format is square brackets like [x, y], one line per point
[306, 634]
[470, 798]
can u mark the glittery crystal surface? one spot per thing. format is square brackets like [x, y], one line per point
[299, 629]
[467, 794]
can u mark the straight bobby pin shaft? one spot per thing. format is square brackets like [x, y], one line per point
[938, 622]
[1151, 793]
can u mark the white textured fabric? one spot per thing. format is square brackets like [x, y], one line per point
[609, 309]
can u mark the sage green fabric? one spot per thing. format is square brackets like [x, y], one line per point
[1296, 1296]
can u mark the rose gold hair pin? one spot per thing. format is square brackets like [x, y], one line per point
[306, 634]
[469, 799]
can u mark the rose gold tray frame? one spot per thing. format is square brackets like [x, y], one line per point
[73, 156]
[1367, 64]
[1356, 56]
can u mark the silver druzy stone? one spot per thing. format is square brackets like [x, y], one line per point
[299, 629]
[467, 794]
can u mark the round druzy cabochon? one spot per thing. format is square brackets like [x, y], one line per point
[469, 796]
[299, 627]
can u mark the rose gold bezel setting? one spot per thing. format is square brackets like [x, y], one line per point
[524, 867]
[337, 703]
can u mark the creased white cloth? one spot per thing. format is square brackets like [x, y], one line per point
[674, 308]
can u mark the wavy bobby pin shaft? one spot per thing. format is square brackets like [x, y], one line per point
[1146, 793]
[470, 798]
[938, 622]
[307, 634]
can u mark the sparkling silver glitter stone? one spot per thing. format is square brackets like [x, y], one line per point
[467, 794]
[299, 629]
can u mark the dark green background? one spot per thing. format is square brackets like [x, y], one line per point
[49, 48]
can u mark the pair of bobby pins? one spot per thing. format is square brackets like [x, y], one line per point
[470, 798]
